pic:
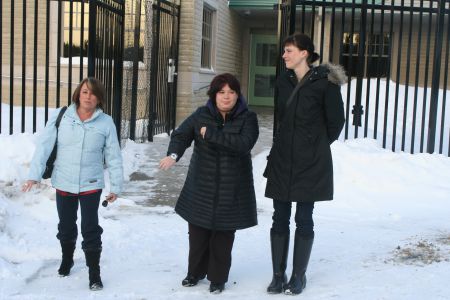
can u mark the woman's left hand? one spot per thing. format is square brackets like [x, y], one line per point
[111, 197]
[166, 163]
[203, 131]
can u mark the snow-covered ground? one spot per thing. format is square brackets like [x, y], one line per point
[385, 236]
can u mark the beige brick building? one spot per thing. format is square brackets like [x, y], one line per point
[193, 80]
[232, 32]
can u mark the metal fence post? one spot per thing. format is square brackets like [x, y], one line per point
[92, 37]
[156, 26]
[286, 11]
[134, 85]
[357, 110]
[434, 97]
[118, 74]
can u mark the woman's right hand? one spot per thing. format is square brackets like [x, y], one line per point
[26, 187]
[166, 163]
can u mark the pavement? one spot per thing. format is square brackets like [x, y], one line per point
[150, 186]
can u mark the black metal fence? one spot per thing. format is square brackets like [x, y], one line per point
[151, 55]
[105, 52]
[54, 46]
[396, 54]
[164, 63]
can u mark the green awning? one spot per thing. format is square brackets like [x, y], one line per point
[255, 4]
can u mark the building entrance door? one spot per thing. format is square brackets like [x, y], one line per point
[263, 60]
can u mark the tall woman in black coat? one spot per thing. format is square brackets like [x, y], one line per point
[218, 196]
[300, 167]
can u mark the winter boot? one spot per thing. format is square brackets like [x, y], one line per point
[191, 280]
[302, 252]
[67, 249]
[280, 247]
[93, 262]
[216, 288]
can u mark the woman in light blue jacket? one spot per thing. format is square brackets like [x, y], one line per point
[86, 139]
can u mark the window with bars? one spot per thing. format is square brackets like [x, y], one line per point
[80, 14]
[376, 54]
[207, 38]
[130, 23]
[80, 31]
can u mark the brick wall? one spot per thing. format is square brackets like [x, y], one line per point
[192, 80]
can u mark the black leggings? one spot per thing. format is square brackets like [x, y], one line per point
[303, 217]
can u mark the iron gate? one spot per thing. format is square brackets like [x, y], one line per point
[105, 52]
[51, 46]
[164, 63]
[396, 55]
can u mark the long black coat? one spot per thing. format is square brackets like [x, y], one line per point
[218, 193]
[300, 167]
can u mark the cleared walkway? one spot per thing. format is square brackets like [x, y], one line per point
[150, 186]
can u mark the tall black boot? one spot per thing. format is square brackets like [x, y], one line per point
[302, 252]
[279, 244]
[93, 262]
[67, 249]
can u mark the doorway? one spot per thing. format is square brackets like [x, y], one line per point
[262, 70]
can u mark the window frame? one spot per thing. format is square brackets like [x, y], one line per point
[129, 13]
[76, 27]
[375, 41]
[207, 60]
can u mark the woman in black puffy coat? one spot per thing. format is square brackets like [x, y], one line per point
[300, 167]
[218, 196]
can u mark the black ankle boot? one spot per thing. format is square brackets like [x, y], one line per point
[93, 262]
[302, 252]
[216, 288]
[191, 280]
[279, 245]
[67, 250]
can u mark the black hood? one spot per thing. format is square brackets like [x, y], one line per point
[239, 107]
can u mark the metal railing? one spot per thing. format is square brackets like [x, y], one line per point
[396, 57]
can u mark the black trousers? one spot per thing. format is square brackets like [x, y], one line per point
[210, 253]
[67, 212]
[303, 217]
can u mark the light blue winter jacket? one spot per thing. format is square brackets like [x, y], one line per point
[81, 149]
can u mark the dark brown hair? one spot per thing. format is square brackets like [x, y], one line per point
[95, 86]
[302, 42]
[220, 81]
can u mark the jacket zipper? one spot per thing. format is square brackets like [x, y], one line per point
[216, 196]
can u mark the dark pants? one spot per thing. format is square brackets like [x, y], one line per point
[303, 217]
[210, 253]
[67, 212]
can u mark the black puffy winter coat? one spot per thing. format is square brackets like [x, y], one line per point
[300, 167]
[218, 193]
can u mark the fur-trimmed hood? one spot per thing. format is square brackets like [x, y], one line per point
[337, 74]
[334, 73]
